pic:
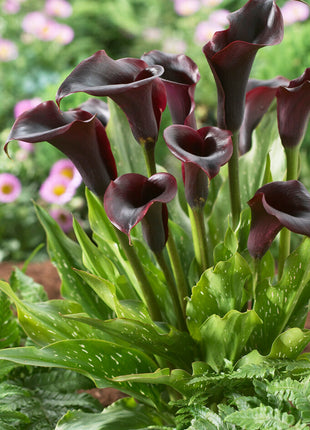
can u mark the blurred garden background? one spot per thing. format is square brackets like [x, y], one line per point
[42, 41]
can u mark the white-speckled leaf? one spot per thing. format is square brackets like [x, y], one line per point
[290, 344]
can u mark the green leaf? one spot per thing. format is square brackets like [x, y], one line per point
[43, 322]
[175, 346]
[218, 291]
[66, 254]
[290, 343]
[26, 287]
[127, 152]
[9, 332]
[99, 360]
[277, 304]
[225, 250]
[225, 338]
[125, 414]
[262, 417]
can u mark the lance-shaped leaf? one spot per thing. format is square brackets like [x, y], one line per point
[231, 53]
[293, 106]
[130, 82]
[180, 78]
[259, 96]
[202, 153]
[132, 198]
[78, 134]
[274, 206]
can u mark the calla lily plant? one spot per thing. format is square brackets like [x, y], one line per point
[182, 292]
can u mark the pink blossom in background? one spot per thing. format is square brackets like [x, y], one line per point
[65, 34]
[205, 29]
[59, 8]
[10, 188]
[8, 50]
[32, 21]
[174, 46]
[294, 11]
[152, 34]
[11, 6]
[67, 169]
[25, 104]
[63, 218]
[57, 189]
[211, 3]
[186, 7]
[27, 146]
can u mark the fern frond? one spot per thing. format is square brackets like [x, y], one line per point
[261, 418]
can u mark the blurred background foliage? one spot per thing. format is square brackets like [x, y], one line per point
[124, 28]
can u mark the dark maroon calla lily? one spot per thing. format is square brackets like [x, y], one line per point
[130, 82]
[231, 53]
[293, 106]
[132, 198]
[180, 78]
[274, 206]
[259, 96]
[76, 133]
[99, 108]
[202, 153]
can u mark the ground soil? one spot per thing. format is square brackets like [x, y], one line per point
[46, 274]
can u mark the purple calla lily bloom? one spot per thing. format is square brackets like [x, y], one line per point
[77, 133]
[97, 107]
[293, 109]
[180, 78]
[231, 53]
[258, 99]
[274, 206]
[130, 82]
[132, 198]
[202, 153]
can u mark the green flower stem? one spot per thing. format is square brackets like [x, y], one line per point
[196, 217]
[149, 155]
[234, 187]
[292, 169]
[182, 287]
[144, 283]
[172, 290]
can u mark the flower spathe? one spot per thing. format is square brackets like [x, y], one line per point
[202, 153]
[231, 53]
[293, 109]
[132, 198]
[10, 188]
[130, 82]
[274, 206]
[180, 78]
[77, 133]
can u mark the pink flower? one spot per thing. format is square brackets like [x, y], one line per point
[32, 21]
[174, 46]
[65, 34]
[57, 189]
[59, 8]
[26, 146]
[67, 169]
[25, 104]
[217, 21]
[10, 187]
[63, 218]
[40, 26]
[294, 11]
[186, 7]
[11, 6]
[8, 50]
[211, 3]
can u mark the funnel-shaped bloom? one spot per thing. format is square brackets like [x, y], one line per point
[202, 153]
[294, 110]
[180, 78]
[97, 107]
[258, 99]
[78, 134]
[130, 82]
[132, 198]
[231, 53]
[274, 206]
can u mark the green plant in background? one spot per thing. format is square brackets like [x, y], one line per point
[181, 298]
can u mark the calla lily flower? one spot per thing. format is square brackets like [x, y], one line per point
[202, 153]
[274, 206]
[132, 198]
[293, 105]
[78, 134]
[130, 82]
[231, 53]
[180, 78]
[259, 96]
